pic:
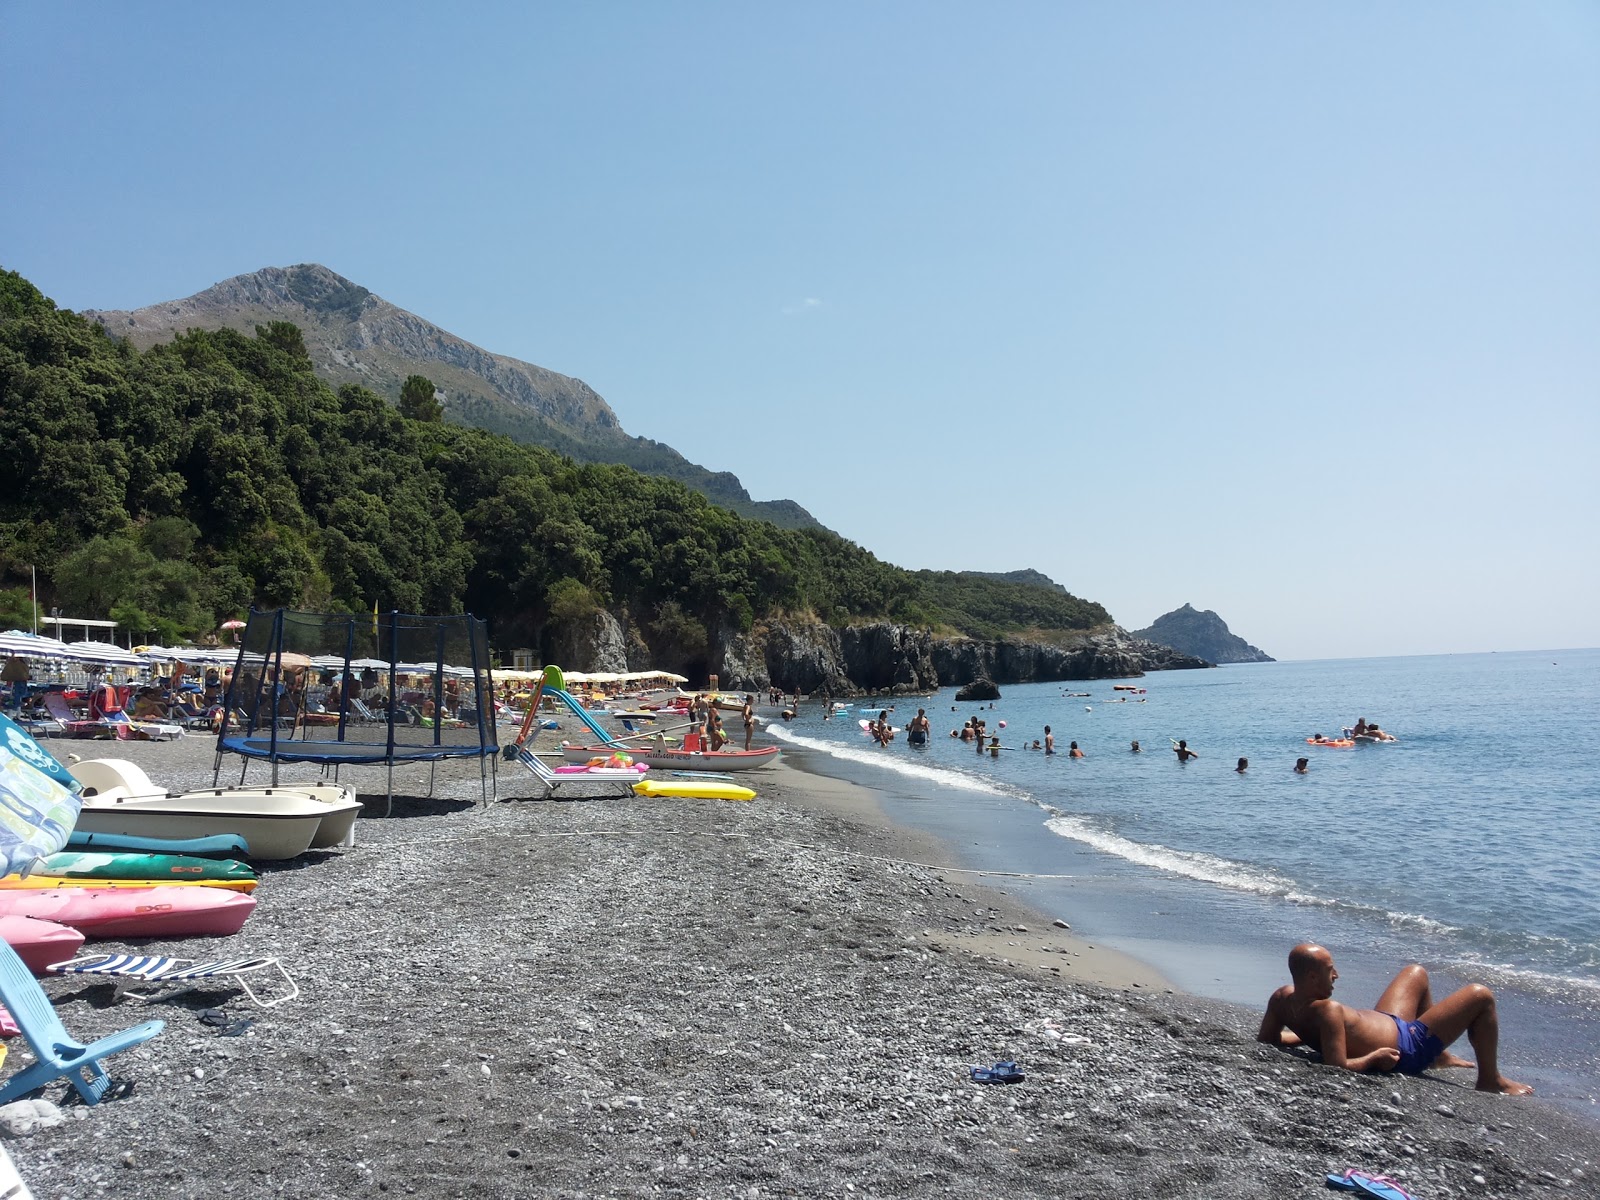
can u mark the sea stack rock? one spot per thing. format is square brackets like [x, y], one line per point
[979, 689]
[1203, 634]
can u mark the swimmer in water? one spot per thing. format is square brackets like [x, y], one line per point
[1244, 765]
[1134, 749]
[1049, 741]
[1183, 752]
[1302, 766]
[1073, 751]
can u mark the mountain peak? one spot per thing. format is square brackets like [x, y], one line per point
[353, 335]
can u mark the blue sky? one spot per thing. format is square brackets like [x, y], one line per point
[1285, 310]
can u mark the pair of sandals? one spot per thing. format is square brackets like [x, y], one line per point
[1380, 1187]
[1001, 1072]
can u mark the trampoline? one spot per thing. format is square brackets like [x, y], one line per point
[340, 689]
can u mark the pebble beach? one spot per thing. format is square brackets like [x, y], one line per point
[684, 998]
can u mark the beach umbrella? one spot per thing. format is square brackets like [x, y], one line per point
[233, 624]
[38, 800]
[104, 652]
[15, 643]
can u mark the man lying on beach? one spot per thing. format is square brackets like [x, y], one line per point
[1406, 1032]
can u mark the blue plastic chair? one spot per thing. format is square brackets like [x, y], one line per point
[54, 1048]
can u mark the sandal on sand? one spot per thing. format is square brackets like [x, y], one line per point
[1381, 1187]
[1001, 1072]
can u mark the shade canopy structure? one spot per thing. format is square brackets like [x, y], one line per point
[14, 643]
[338, 689]
[104, 652]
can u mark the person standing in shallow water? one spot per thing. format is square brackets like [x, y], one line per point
[1049, 741]
[1183, 752]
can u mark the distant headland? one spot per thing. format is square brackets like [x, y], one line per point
[1203, 634]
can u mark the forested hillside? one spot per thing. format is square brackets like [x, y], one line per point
[169, 488]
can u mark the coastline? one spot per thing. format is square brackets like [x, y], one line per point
[686, 998]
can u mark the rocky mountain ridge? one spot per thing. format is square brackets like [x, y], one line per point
[356, 336]
[1203, 634]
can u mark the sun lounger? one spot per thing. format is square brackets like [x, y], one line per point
[617, 781]
[129, 730]
[163, 978]
[55, 1051]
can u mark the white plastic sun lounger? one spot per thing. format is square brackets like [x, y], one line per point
[163, 978]
[617, 781]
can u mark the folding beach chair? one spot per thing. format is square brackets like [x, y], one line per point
[617, 781]
[164, 978]
[74, 726]
[55, 1050]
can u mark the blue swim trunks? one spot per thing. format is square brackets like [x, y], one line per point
[1418, 1047]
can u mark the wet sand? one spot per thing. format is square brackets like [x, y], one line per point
[631, 997]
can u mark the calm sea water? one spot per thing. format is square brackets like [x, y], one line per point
[1472, 844]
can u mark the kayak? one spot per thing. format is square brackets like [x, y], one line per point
[17, 883]
[39, 944]
[676, 760]
[220, 845]
[162, 912]
[180, 868]
[698, 790]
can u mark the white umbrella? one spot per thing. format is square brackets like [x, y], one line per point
[104, 652]
[15, 643]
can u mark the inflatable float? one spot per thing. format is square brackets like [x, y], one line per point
[698, 790]
[1341, 743]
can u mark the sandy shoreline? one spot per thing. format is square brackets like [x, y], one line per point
[695, 998]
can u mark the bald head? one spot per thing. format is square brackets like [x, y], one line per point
[1307, 957]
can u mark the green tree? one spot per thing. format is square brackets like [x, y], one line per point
[417, 399]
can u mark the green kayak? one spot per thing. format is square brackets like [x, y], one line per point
[77, 864]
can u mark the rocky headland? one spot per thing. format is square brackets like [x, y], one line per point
[1204, 634]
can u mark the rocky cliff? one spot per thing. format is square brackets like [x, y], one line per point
[885, 657]
[1203, 634]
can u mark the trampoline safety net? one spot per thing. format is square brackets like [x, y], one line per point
[374, 689]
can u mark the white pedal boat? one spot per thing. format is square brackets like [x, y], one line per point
[276, 822]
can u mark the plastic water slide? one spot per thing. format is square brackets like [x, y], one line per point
[583, 715]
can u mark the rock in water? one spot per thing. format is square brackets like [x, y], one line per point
[979, 689]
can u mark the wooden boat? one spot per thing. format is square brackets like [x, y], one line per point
[277, 823]
[677, 760]
[39, 943]
[134, 912]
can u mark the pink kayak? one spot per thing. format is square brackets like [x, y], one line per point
[134, 912]
[40, 943]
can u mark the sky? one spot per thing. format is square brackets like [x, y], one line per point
[1290, 311]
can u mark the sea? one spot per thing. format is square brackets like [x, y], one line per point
[1471, 844]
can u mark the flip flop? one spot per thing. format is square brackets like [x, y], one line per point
[1380, 1187]
[1001, 1072]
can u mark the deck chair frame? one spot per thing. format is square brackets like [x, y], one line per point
[163, 978]
[56, 1052]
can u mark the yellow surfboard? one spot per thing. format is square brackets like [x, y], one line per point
[709, 790]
